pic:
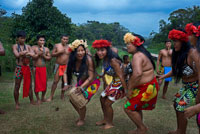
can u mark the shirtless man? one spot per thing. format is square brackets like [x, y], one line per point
[42, 54]
[61, 52]
[2, 53]
[165, 56]
[22, 52]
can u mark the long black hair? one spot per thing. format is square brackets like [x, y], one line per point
[198, 41]
[71, 67]
[110, 55]
[178, 60]
[144, 51]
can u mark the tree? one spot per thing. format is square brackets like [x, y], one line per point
[94, 30]
[177, 19]
[41, 17]
[2, 12]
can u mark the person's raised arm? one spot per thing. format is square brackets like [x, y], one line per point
[57, 50]
[30, 51]
[36, 55]
[16, 53]
[47, 55]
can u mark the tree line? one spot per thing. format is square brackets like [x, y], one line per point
[177, 20]
[41, 17]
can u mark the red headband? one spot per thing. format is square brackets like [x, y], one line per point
[137, 42]
[178, 35]
[101, 43]
[191, 29]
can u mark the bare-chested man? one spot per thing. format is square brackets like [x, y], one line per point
[165, 56]
[42, 54]
[61, 52]
[2, 53]
[22, 53]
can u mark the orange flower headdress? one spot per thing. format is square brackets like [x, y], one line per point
[75, 44]
[129, 38]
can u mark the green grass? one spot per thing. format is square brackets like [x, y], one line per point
[44, 119]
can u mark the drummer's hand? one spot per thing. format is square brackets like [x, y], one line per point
[67, 87]
[78, 91]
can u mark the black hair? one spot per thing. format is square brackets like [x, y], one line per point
[125, 57]
[197, 24]
[21, 34]
[178, 60]
[144, 51]
[110, 55]
[167, 41]
[64, 35]
[71, 66]
[40, 36]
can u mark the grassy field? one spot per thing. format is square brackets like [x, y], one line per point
[44, 119]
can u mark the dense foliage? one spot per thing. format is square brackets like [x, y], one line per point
[177, 19]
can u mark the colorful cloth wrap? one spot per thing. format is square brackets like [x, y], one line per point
[40, 79]
[161, 69]
[186, 96]
[91, 89]
[144, 97]
[60, 68]
[114, 91]
[167, 70]
[24, 71]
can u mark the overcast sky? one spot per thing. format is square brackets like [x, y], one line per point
[139, 16]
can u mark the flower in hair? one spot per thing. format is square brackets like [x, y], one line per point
[75, 44]
[129, 38]
[191, 29]
[101, 43]
[178, 35]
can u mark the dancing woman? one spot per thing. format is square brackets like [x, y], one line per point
[112, 65]
[81, 65]
[185, 67]
[142, 88]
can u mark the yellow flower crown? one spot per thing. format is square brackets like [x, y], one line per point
[129, 38]
[75, 44]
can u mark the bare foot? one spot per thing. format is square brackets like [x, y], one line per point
[80, 122]
[2, 112]
[107, 126]
[39, 102]
[163, 97]
[102, 122]
[133, 132]
[174, 132]
[17, 106]
[142, 131]
[49, 100]
[33, 103]
[44, 100]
